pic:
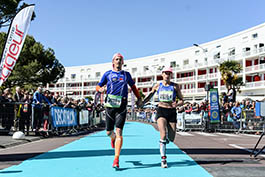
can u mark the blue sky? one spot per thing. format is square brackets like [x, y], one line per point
[84, 32]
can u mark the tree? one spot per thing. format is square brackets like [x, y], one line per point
[35, 65]
[229, 74]
[8, 9]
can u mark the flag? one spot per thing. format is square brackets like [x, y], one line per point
[15, 39]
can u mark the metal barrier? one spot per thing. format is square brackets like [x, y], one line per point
[48, 121]
[248, 122]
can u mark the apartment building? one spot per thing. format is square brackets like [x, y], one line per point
[193, 67]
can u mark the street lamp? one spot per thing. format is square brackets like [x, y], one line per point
[207, 87]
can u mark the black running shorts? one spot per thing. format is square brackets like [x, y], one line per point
[168, 113]
[116, 116]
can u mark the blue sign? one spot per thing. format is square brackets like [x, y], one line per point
[63, 117]
[214, 105]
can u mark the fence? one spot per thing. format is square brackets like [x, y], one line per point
[55, 120]
[248, 121]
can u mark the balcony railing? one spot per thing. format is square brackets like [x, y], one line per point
[185, 79]
[185, 91]
[201, 77]
[212, 75]
[200, 90]
[255, 68]
[144, 84]
[257, 84]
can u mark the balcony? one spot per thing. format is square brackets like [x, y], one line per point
[144, 84]
[258, 84]
[186, 79]
[202, 77]
[73, 88]
[56, 89]
[255, 68]
[188, 91]
[89, 88]
[200, 90]
[213, 76]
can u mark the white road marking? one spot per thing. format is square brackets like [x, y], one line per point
[184, 134]
[205, 134]
[245, 149]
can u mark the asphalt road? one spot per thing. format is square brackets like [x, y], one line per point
[220, 154]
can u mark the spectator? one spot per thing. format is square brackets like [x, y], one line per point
[26, 113]
[195, 108]
[38, 99]
[18, 97]
[231, 94]
[8, 116]
[236, 112]
[225, 97]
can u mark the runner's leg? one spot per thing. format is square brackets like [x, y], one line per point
[171, 127]
[162, 123]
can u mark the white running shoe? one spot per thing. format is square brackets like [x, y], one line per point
[164, 163]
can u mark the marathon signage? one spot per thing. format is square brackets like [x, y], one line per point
[63, 117]
[15, 39]
[214, 105]
[83, 117]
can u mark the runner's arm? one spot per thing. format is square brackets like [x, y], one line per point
[154, 89]
[179, 95]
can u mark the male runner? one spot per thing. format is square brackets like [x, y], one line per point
[117, 81]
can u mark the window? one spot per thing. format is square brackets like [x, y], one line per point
[173, 64]
[246, 49]
[146, 68]
[97, 74]
[216, 55]
[186, 62]
[232, 51]
[197, 52]
[218, 46]
[162, 60]
[254, 36]
[73, 76]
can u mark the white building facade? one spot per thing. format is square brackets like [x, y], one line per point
[193, 68]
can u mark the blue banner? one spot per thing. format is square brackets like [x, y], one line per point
[214, 105]
[63, 117]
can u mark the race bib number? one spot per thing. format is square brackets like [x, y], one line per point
[113, 101]
[166, 96]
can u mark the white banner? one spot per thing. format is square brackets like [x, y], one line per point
[15, 39]
[180, 121]
[83, 117]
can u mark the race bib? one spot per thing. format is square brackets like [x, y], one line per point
[165, 96]
[113, 101]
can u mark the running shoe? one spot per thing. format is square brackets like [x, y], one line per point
[116, 163]
[164, 162]
[112, 143]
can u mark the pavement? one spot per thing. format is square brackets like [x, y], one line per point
[7, 140]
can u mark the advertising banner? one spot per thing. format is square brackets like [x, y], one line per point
[63, 117]
[214, 105]
[83, 117]
[15, 39]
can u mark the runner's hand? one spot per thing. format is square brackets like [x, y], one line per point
[139, 103]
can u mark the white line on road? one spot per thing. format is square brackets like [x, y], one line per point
[184, 134]
[205, 134]
[245, 149]
[228, 134]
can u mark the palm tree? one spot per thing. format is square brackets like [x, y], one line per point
[229, 74]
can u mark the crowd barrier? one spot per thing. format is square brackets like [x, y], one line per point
[248, 121]
[55, 121]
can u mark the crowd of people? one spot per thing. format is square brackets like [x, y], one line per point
[16, 109]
